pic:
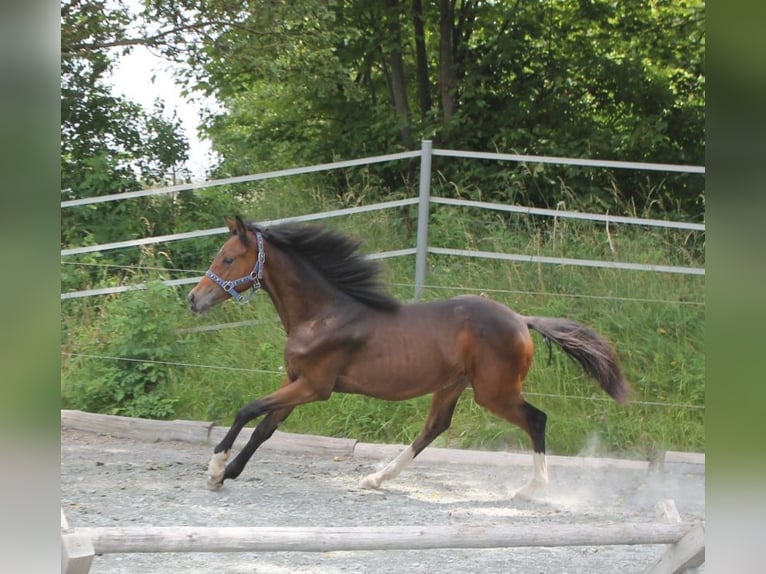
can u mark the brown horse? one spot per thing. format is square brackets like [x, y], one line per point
[346, 335]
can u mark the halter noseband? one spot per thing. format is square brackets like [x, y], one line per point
[255, 276]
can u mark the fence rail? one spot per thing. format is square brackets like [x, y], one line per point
[424, 200]
[138, 539]
[382, 159]
[218, 230]
[80, 545]
[239, 179]
[668, 167]
[567, 261]
[196, 279]
[562, 214]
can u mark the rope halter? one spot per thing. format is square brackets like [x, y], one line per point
[255, 276]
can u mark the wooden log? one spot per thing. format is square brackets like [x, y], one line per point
[684, 462]
[206, 432]
[685, 457]
[686, 554]
[136, 428]
[132, 539]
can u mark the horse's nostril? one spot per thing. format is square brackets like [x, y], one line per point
[191, 298]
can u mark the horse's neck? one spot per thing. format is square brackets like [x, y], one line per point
[295, 292]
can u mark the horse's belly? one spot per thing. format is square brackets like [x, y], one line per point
[417, 353]
[398, 376]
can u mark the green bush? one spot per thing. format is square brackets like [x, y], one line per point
[119, 367]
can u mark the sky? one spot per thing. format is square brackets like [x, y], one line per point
[142, 76]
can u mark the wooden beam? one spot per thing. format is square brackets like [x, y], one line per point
[318, 539]
[136, 428]
[686, 554]
[206, 432]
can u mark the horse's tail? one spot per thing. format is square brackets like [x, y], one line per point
[594, 353]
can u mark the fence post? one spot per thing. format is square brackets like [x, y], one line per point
[424, 196]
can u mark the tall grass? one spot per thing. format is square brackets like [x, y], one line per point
[655, 320]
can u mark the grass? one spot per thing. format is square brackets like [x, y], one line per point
[656, 321]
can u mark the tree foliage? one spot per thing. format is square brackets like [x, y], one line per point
[312, 81]
[309, 81]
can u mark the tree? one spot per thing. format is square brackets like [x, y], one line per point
[310, 81]
[108, 144]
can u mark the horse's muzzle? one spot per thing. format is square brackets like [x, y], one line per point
[194, 303]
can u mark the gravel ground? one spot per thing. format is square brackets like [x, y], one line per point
[107, 481]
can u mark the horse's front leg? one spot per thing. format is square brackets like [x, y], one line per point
[217, 466]
[278, 405]
[218, 470]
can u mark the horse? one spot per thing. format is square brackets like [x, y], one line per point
[346, 334]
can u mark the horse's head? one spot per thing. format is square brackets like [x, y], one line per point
[238, 266]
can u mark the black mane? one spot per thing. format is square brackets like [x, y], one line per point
[336, 258]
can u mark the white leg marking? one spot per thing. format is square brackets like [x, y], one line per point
[215, 470]
[392, 469]
[539, 478]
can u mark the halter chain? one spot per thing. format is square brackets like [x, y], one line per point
[255, 276]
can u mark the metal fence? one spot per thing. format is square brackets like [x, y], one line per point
[423, 202]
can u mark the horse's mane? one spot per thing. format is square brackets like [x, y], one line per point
[336, 258]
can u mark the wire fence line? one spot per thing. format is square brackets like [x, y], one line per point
[280, 372]
[196, 279]
[557, 294]
[642, 300]
[199, 273]
[170, 363]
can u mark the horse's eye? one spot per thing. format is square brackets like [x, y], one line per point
[228, 260]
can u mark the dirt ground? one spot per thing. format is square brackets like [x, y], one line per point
[107, 481]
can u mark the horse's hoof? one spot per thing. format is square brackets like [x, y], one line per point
[216, 469]
[523, 494]
[528, 491]
[371, 482]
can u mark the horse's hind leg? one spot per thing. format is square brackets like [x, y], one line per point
[535, 421]
[439, 419]
[531, 419]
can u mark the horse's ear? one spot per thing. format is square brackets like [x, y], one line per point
[241, 228]
[236, 226]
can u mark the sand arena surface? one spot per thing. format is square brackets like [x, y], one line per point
[107, 481]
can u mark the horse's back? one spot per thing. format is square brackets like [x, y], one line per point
[493, 322]
[483, 329]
